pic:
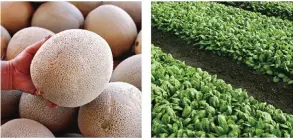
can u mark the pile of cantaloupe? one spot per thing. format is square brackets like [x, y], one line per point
[90, 68]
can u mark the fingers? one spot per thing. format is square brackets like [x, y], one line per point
[23, 82]
[32, 49]
[51, 104]
[23, 60]
[37, 92]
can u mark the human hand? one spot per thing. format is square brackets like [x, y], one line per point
[20, 66]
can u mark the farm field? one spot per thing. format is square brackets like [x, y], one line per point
[262, 43]
[189, 102]
[238, 75]
[246, 49]
[281, 10]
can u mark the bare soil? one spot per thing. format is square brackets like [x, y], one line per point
[239, 75]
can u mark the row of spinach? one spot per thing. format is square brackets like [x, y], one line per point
[281, 9]
[261, 42]
[188, 102]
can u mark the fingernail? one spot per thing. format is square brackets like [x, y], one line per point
[47, 37]
[37, 93]
[52, 106]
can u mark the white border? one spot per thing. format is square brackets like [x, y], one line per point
[221, 0]
[146, 68]
[69, 0]
[146, 59]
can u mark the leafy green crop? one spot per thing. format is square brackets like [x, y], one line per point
[261, 42]
[188, 102]
[283, 10]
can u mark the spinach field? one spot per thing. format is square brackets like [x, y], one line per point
[188, 101]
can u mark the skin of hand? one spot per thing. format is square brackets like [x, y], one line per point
[17, 71]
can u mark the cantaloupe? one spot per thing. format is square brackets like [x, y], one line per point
[137, 46]
[25, 38]
[72, 67]
[133, 8]
[114, 25]
[129, 70]
[58, 16]
[86, 7]
[115, 113]
[5, 38]
[35, 108]
[24, 128]
[9, 103]
[15, 15]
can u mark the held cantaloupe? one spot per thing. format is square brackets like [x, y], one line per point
[15, 15]
[9, 103]
[58, 16]
[25, 38]
[114, 25]
[133, 8]
[5, 37]
[115, 113]
[72, 67]
[137, 46]
[36, 108]
[87, 6]
[129, 70]
[24, 128]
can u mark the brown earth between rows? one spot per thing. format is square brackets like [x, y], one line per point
[239, 75]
